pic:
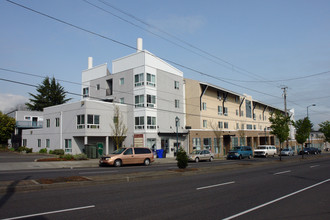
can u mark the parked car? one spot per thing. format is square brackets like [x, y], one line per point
[265, 150]
[123, 156]
[198, 155]
[287, 152]
[310, 150]
[240, 152]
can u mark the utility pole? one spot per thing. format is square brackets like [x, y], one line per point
[286, 115]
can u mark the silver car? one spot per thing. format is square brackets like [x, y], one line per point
[198, 155]
[287, 152]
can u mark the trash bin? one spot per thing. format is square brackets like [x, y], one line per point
[160, 153]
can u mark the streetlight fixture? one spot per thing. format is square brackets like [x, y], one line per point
[308, 107]
[177, 135]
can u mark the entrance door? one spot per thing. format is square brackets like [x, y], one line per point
[226, 143]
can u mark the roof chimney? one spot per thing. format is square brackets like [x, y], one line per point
[90, 62]
[139, 44]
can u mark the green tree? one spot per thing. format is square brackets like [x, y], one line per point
[7, 126]
[119, 129]
[280, 127]
[49, 93]
[182, 159]
[303, 129]
[325, 129]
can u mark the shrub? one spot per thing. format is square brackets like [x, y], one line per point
[23, 148]
[58, 152]
[51, 152]
[67, 157]
[80, 157]
[182, 159]
[43, 151]
[28, 150]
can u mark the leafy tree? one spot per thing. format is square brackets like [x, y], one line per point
[182, 159]
[303, 129]
[49, 93]
[7, 126]
[280, 127]
[119, 129]
[325, 129]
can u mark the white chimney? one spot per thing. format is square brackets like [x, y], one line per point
[90, 62]
[139, 45]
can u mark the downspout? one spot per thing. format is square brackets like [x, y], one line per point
[61, 130]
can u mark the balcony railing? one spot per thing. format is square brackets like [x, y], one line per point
[29, 124]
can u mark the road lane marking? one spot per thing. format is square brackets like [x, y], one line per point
[287, 171]
[92, 172]
[314, 166]
[211, 186]
[275, 200]
[52, 212]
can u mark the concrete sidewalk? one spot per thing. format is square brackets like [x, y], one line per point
[8, 166]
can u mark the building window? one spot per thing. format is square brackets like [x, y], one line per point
[204, 105]
[68, 146]
[139, 101]
[39, 142]
[151, 122]
[237, 99]
[151, 80]
[236, 112]
[226, 125]
[47, 143]
[207, 143]
[177, 103]
[225, 111]
[237, 126]
[139, 122]
[86, 92]
[48, 123]
[57, 122]
[176, 84]
[219, 110]
[254, 116]
[242, 126]
[121, 81]
[80, 121]
[97, 86]
[220, 124]
[254, 127]
[204, 123]
[196, 143]
[217, 145]
[122, 101]
[139, 79]
[24, 142]
[249, 127]
[93, 121]
[151, 101]
[219, 95]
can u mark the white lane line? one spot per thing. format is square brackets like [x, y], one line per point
[52, 212]
[314, 166]
[275, 200]
[221, 184]
[287, 171]
[92, 172]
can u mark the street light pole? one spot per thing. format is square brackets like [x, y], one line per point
[308, 119]
[177, 135]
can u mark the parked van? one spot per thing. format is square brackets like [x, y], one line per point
[131, 155]
[265, 150]
[240, 152]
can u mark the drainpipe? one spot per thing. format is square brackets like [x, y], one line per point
[61, 130]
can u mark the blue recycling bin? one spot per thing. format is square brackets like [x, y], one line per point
[160, 153]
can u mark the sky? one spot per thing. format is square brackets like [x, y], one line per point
[254, 47]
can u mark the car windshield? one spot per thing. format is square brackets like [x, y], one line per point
[119, 151]
[285, 150]
[196, 152]
[236, 148]
[261, 147]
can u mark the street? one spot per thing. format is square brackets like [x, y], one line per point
[276, 191]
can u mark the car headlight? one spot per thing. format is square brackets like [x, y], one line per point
[236, 154]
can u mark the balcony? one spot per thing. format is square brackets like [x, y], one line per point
[29, 124]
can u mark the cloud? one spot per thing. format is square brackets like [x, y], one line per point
[179, 24]
[10, 101]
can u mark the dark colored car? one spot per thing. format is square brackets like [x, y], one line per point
[310, 150]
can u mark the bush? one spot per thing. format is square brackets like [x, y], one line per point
[80, 157]
[43, 151]
[51, 152]
[58, 152]
[67, 157]
[23, 148]
[182, 159]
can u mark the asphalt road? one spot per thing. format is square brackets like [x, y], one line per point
[276, 191]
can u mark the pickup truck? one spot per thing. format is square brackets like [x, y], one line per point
[265, 150]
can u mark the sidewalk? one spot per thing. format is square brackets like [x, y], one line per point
[64, 164]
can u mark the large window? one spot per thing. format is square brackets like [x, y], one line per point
[207, 143]
[151, 101]
[139, 122]
[139, 101]
[196, 143]
[68, 146]
[226, 125]
[139, 79]
[151, 80]
[220, 124]
[217, 145]
[93, 121]
[80, 121]
[249, 126]
[248, 109]
[151, 122]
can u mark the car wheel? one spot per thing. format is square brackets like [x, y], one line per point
[266, 155]
[250, 156]
[196, 159]
[240, 157]
[118, 163]
[211, 159]
[147, 162]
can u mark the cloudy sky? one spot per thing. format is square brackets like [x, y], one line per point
[253, 47]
